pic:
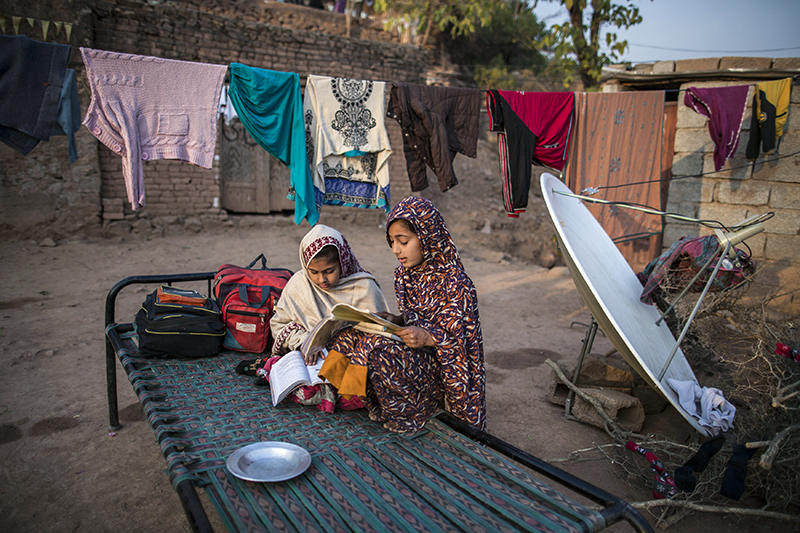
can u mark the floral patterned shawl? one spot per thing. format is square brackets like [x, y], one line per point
[437, 295]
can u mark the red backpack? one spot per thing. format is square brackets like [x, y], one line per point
[247, 297]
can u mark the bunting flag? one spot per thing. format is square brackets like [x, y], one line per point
[15, 22]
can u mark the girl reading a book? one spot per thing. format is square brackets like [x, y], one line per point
[440, 359]
[330, 274]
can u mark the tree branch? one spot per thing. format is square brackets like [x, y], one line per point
[680, 504]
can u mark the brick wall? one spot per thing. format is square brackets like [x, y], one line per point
[69, 198]
[43, 194]
[178, 189]
[742, 188]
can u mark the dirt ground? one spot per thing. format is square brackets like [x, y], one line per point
[62, 470]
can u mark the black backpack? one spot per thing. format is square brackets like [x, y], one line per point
[174, 322]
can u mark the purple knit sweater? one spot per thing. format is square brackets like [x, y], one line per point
[147, 108]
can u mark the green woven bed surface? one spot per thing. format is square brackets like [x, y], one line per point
[361, 478]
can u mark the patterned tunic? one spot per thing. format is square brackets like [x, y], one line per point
[406, 385]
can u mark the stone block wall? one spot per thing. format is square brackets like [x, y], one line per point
[771, 184]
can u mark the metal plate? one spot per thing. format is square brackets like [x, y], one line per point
[268, 461]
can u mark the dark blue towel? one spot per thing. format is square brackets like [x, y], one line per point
[31, 78]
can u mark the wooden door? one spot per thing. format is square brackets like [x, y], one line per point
[251, 179]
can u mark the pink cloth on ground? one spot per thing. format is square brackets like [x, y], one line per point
[147, 108]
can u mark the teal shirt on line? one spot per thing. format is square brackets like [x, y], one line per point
[270, 108]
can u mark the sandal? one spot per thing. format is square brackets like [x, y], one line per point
[248, 367]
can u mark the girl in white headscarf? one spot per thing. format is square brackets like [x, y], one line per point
[330, 274]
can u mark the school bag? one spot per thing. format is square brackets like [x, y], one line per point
[175, 322]
[247, 297]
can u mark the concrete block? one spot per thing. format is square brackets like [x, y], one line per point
[693, 140]
[756, 244]
[745, 62]
[595, 373]
[643, 68]
[685, 190]
[689, 118]
[674, 232]
[783, 170]
[687, 164]
[724, 213]
[748, 192]
[692, 65]
[786, 62]
[735, 168]
[790, 141]
[709, 188]
[663, 67]
[652, 401]
[626, 410]
[785, 222]
[784, 196]
[782, 247]
[687, 209]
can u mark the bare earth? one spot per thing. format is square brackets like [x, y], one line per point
[62, 470]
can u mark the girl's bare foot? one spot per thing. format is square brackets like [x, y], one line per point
[376, 418]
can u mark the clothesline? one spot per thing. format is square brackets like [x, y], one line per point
[532, 126]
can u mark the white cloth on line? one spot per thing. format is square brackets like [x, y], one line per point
[226, 107]
[707, 405]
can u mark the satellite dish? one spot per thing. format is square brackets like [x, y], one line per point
[611, 290]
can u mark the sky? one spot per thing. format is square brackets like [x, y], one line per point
[690, 29]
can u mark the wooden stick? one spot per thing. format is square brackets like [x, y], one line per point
[611, 426]
[769, 456]
[757, 444]
[714, 509]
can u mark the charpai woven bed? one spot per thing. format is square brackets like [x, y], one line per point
[449, 477]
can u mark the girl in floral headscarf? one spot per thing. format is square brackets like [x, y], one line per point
[440, 358]
[330, 274]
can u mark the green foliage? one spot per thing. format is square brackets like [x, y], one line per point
[575, 44]
[459, 17]
[511, 33]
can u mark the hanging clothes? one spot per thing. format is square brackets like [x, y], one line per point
[270, 108]
[724, 107]
[617, 141]
[68, 121]
[30, 90]
[346, 141]
[437, 124]
[531, 128]
[146, 108]
[226, 110]
[770, 111]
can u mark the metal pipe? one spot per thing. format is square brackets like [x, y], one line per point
[691, 317]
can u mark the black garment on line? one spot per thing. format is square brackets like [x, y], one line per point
[761, 132]
[521, 145]
[31, 76]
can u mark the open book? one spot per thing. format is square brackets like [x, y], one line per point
[346, 315]
[289, 372]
